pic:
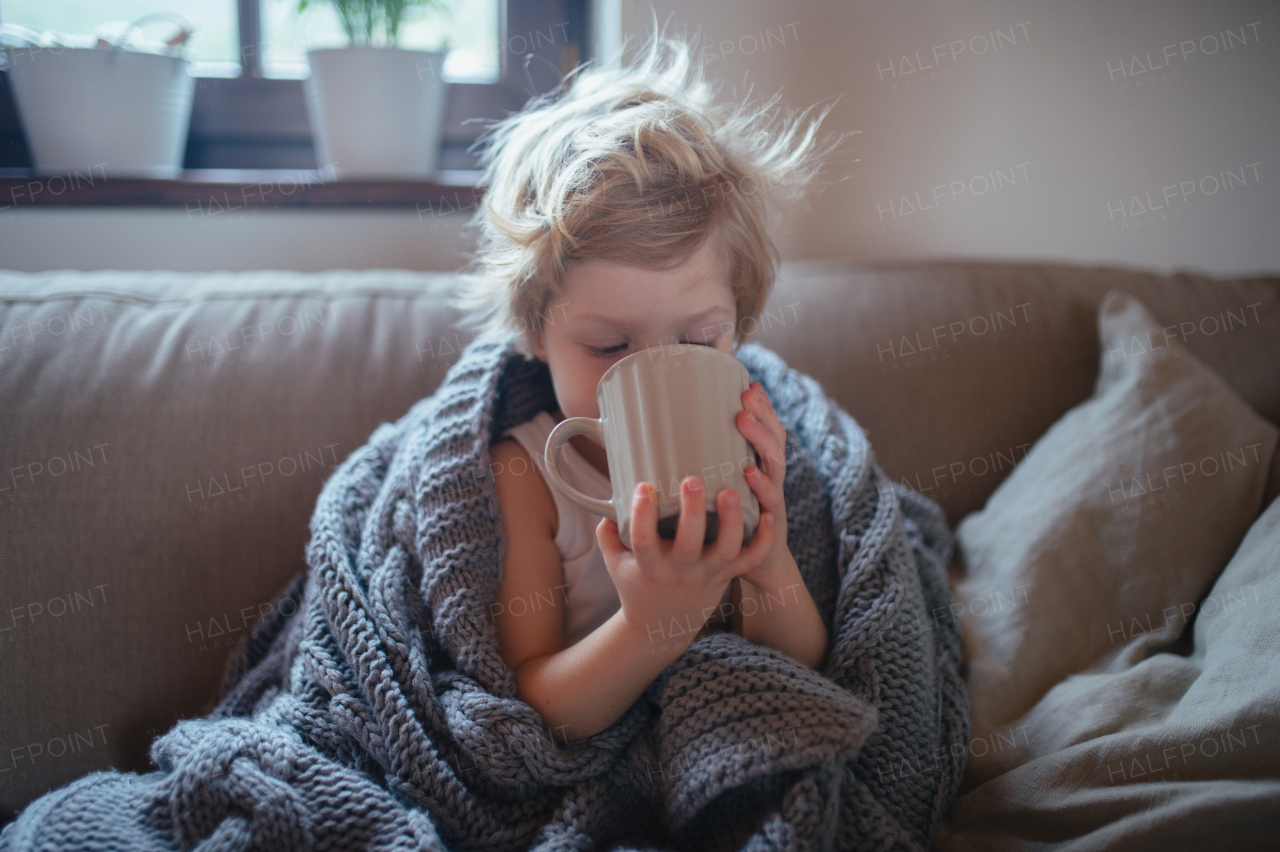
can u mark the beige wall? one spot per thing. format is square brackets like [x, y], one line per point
[1026, 138]
[1025, 129]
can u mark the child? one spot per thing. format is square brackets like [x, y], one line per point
[624, 212]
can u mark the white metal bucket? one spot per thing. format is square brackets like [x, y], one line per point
[118, 112]
[376, 112]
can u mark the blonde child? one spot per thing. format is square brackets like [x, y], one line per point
[624, 212]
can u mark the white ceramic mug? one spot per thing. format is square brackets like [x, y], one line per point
[666, 412]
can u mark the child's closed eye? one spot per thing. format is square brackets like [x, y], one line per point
[610, 351]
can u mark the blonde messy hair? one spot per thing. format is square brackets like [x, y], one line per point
[633, 164]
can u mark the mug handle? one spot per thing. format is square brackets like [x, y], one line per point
[563, 431]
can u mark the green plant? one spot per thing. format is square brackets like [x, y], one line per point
[362, 18]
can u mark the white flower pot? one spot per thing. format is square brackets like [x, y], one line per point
[376, 112]
[119, 112]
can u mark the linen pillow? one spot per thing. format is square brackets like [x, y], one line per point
[1124, 511]
[1172, 752]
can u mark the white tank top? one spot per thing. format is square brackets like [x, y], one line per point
[590, 596]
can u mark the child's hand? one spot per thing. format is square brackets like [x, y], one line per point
[760, 425]
[668, 589]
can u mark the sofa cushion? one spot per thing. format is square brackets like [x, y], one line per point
[1124, 511]
[164, 440]
[1171, 749]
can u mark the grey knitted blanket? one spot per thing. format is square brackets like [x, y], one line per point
[379, 715]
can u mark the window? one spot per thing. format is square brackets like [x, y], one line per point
[212, 50]
[470, 31]
[250, 58]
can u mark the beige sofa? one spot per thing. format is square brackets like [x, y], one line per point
[164, 438]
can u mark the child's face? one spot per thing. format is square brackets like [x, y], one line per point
[608, 310]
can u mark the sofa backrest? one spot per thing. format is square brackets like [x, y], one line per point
[956, 368]
[163, 439]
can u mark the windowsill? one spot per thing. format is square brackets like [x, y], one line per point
[219, 190]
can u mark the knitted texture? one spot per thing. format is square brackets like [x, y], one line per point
[379, 715]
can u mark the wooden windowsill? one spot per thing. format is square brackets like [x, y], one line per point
[210, 191]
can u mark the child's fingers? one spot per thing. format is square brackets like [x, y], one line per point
[767, 444]
[644, 525]
[610, 542]
[756, 402]
[764, 396]
[729, 536]
[767, 491]
[692, 526]
[761, 543]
